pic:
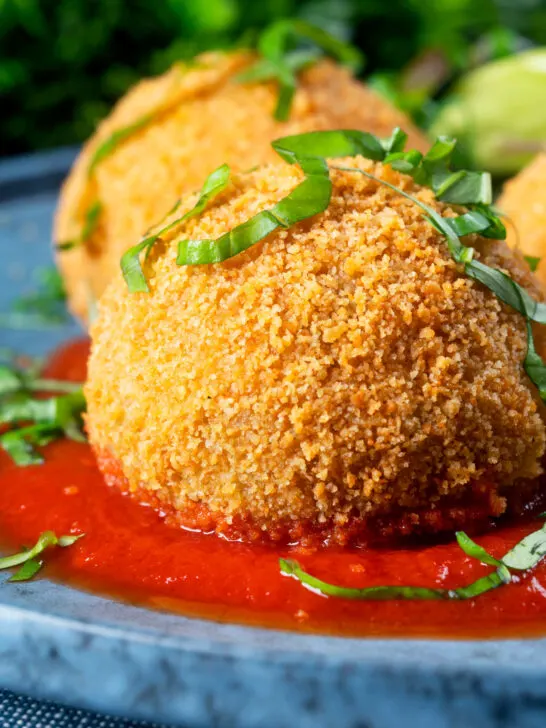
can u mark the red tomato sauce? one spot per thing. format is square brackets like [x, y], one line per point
[129, 552]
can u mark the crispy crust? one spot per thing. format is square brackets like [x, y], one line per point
[472, 513]
[342, 371]
[207, 119]
[524, 201]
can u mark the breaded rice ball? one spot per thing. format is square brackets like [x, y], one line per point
[343, 377]
[524, 201]
[202, 117]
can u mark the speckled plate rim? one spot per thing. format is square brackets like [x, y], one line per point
[67, 645]
[88, 651]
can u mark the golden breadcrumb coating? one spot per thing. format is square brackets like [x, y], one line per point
[343, 366]
[524, 201]
[207, 118]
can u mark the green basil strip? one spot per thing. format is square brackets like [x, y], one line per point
[475, 551]
[21, 449]
[27, 571]
[464, 188]
[46, 539]
[51, 418]
[330, 144]
[90, 224]
[131, 265]
[28, 558]
[459, 252]
[112, 142]
[480, 586]
[266, 70]
[534, 366]
[467, 224]
[507, 290]
[289, 567]
[10, 380]
[533, 262]
[310, 197]
[498, 282]
[281, 63]
[52, 385]
[527, 553]
[276, 39]
[62, 411]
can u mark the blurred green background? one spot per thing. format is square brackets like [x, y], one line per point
[64, 62]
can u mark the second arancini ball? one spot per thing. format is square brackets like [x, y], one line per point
[200, 117]
[523, 200]
[341, 371]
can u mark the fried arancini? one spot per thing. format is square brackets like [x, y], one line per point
[202, 118]
[524, 202]
[341, 374]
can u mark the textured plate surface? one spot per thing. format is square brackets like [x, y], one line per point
[91, 652]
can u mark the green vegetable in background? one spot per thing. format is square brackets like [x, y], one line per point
[499, 112]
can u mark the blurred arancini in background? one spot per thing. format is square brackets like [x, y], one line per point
[523, 200]
[195, 118]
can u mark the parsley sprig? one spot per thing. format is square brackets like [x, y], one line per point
[28, 559]
[524, 556]
[29, 421]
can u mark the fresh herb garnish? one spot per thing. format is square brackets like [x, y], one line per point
[30, 565]
[281, 60]
[472, 189]
[309, 198]
[112, 142]
[532, 262]
[105, 149]
[33, 421]
[90, 225]
[524, 556]
[312, 196]
[131, 265]
[42, 309]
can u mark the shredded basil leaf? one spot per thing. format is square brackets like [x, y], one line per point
[112, 142]
[19, 444]
[27, 571]
[289, 567]
[498, 282]
[280, 61]
[534, 365]
[27, 558]
[131, 265]
[475, 551]
[34, 422]
[309, 198]
[525, 555]
[533, 262]
[43, 308]
[90, 225]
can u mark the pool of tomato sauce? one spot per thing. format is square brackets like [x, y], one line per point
[129, 553]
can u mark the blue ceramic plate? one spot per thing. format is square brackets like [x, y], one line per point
[91, 652]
